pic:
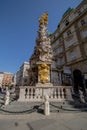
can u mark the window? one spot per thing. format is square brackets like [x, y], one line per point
[82, 22]
[58, 26]
[54, 37]
[84, 33]
[56, 34]
[79, 13]
[69, 33]
[25, 80]
[72, 55]
[66, 22]
[60, 40]
[60, 50]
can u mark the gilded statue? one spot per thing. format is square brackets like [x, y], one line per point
[43, 71]
[44, 19]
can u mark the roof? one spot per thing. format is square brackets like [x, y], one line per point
[67, 11]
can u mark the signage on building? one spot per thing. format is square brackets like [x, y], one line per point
[66, 70]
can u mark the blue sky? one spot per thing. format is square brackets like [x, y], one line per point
[19, 26]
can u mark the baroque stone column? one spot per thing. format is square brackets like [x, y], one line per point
[41, 59]
[43, 46]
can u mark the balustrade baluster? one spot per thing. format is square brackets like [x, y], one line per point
[62, 92]
[51, 93]
[28, 92]
[39, 94]
[59, 93]
[55, 93]
[34, 93]
[31, 93]
[25, 94]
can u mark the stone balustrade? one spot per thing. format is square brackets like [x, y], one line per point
[55, 93]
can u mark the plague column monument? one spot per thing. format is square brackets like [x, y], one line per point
[43, 76]
[41, 60]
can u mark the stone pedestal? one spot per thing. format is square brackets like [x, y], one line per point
[46, 88]
[22, 94]
[46, 106]
[7, 98]
[69, 93]
[81, 97]
[44, 85]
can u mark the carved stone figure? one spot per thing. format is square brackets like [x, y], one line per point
[43, 71]
[44, 45]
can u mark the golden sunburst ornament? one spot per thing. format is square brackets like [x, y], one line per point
[44, 19]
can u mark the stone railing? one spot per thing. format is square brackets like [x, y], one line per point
[55, 93]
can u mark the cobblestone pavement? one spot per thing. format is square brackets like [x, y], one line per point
[30, 116]
[37, 121]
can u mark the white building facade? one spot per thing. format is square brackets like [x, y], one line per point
[1, 78]
[22, 77]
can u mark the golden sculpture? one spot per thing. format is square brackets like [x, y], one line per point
[44, 19]
[43, 71]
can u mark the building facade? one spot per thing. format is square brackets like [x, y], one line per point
[1, 78]
[69, 43]
[21, 77]
[7, 79]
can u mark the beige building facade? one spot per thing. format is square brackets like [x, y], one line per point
[7, 79]
[69, 43]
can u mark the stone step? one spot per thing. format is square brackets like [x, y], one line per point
[70, 106]
[16, 107]
[19, 108]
